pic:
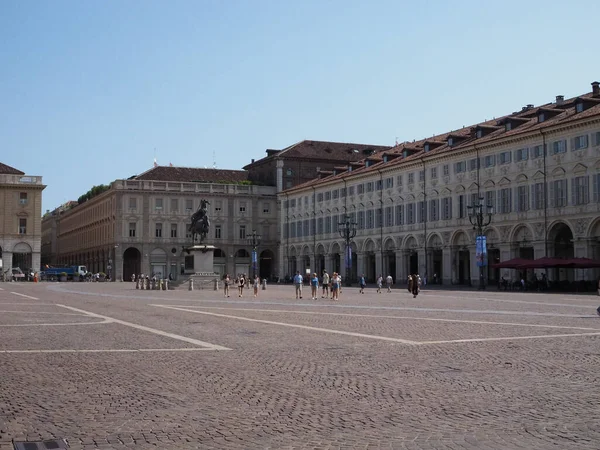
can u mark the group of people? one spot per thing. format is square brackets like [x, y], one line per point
[414, 284]
[242, 281]
[331, 285]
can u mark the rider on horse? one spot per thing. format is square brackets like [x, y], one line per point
[200, 223]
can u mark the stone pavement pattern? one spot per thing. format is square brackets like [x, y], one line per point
[282, 387]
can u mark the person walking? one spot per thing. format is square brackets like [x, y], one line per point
[298, 280]
[325, 283]
[389, 281]
[415, 286]
[379, 283]
[256, 284]
[362, 283]
[409, 283]
[226, 282]
[335, 286]
[314, 286]
[241, 283]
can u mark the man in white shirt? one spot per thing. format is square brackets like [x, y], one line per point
[389, 281]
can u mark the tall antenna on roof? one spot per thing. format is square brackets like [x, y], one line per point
[214, 160]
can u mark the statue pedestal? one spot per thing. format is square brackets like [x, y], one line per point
[203, 272]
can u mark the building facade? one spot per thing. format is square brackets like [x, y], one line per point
[20, 219]
[140, 225]
[539, 168]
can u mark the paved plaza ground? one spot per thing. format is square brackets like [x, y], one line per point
[103, 365]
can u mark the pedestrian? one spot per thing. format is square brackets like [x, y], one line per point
[335, 286]
[314, 286]
[226, 282]
[241, 282]
[379, 283]
[298, 280]
[409, 283]
[325, 283]
[415, 285]
[133, 278]
[389, 281]
[362, 283]
[256, 284]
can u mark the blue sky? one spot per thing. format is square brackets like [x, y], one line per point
[89, 90]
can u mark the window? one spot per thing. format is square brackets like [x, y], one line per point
[242, 234]
[579, 107]
[242, 207]
[538, 151]
[158, 204]
[289, 172]
[462, 207]
[189, 205]
[399, 214]
[306, 200]
[522, 154]
[306, 228]
[490, 199]
[360, 189]
[299, 228]
[490, 161]
[433, 173]
[23, 198]
[320, 197]
[266, 208]
[174, 205]
[434, 210]
[580, 142]
[410, 213]
[370, 186]
[379, 185]
[132, 227]
[538, 195]
[596, 138]
[320, 225]
[327, 195]
[558, 193]
[351, 191]
[370, 221]
[504, 201]
[22, 226]
[293, 203]
[158, 230]
[421, 175]
[522, 198]
[446, 170]
[335, 194]
[389, 183]
[378, 217]
[361, 220]
[541, 117]
[389, 216]
[505, 158]
[447, 208]
[266, 232]
[342, 192]
[399, 178]
[173, 230]
[188, 233]
[580, 190]
[473, 164]
[422, 212]
[288, 184]
[559, 147]
[327, 225]
[132, 203]
[411, 178]
[218, 206]
[460, 167]
[596, 183]
[474, 199]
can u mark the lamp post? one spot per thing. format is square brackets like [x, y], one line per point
[347, 230]
[480, 216]
[254, 241]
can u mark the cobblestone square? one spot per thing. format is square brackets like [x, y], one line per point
[104, 365]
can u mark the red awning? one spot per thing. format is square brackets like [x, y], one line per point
[548, 262]
[511, 263]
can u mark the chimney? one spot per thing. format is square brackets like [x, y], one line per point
[252, 161]
[560, 99]
[596, 89]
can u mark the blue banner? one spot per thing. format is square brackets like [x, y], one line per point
[481, 251]
[254, 256]
[348, 257]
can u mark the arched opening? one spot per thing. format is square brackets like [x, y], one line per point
[370, 263]
[265, 264]
[435, 274]
[411, 256]
[132, 261]
[242, 262]
[22, 257]
[560, 237]
[320, 260]
[336, 258]
[461, 261]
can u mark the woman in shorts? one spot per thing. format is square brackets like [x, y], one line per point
[314, 285]
[256, 283]
[335, 286]
[241, 282]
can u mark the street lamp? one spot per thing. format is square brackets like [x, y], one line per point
[480, 216]
[347, 230]
[254, 241]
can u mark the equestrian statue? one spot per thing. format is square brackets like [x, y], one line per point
[200, 222]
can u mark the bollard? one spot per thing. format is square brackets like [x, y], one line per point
[166, 285]
[216, 286]
[264, 284]
[142, 282]
[191, 285]
[160, 285]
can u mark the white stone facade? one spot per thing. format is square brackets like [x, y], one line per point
[514, 174]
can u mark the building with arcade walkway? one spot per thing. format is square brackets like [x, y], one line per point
[537, 170]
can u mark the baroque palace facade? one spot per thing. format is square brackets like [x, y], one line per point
[539, 168]
[140, 225]
[20, 219]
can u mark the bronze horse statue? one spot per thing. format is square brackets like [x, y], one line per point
[200, 222]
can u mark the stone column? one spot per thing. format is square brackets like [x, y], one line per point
[422, 267]
[400, 275]
[360, 264]
[7, 264]
[329, 263]
[378, 265]
[446, 275]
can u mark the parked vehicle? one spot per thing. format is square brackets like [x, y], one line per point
[54, 273]
[17, 274]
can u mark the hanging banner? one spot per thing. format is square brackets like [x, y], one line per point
[348, 257]
[254, 256]
[481, 251]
